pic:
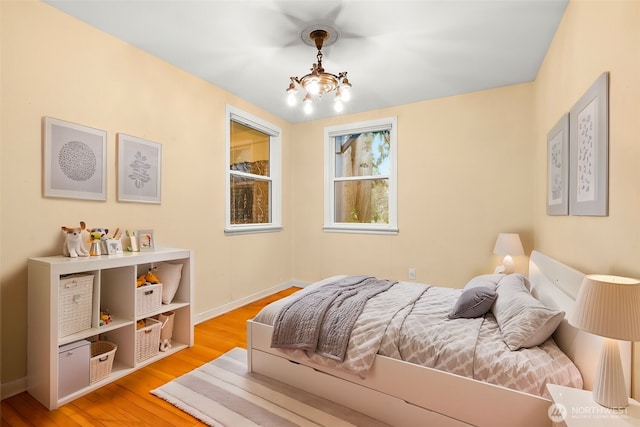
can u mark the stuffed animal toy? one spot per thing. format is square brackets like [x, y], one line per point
[147, 279]
[73, 246]
[105, 317]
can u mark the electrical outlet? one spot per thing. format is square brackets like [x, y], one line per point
[412, 273]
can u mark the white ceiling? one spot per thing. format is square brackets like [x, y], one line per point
[395, 52]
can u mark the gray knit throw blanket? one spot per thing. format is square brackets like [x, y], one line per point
[321, 320]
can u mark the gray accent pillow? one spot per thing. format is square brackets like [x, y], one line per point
[523, 320]
[484, 281]
[473, 302]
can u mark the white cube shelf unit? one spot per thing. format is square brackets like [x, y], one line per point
[114, 288]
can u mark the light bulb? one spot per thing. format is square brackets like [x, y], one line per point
[308, 108]
[291, 99]
[338, 106]
[346, 93]
[313, 87]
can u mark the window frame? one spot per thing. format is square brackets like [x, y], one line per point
[390, 124]
[275, 165]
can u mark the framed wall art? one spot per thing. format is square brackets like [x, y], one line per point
[558, 168]
[589, 151]
[139, 170]
[145, 240]
[74, 160]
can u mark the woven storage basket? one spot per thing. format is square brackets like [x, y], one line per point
[148, 298]
[102, 355]
[148, 340]
[75, 298]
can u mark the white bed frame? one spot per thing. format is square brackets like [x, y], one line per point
[404, 394]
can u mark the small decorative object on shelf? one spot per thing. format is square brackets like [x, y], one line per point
[145, 240]
[105, 317]
[73, 246]
[166, 330]
[133, 241]
[113, 244]
[147, 279]
[97, 237]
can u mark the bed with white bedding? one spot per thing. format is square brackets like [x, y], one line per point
[420, 354]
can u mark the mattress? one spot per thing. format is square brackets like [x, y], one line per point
[410, 322]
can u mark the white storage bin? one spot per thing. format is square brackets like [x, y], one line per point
[73, 366]
[102, 355]
[148, 298]
[148, 340]
[75, 299]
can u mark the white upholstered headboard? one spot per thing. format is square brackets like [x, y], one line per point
[556, 285]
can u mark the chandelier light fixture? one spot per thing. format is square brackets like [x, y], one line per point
[318, 82]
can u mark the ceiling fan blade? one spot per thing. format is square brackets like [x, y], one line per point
[334, 13]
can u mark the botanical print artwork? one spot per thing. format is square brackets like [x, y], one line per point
[74, 160]
[140, 170]
[556, 179]
[589, 151]
[77, 161]
[586, 173]
[558, 165]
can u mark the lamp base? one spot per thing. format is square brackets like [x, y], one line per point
[610, 390]
[507, 266]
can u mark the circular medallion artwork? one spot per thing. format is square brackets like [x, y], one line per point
[77, 161]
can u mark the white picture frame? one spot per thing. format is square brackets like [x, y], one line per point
[139, 170]
[114, 246]
[558, 168]
[74, 160]
[589, 151]
[145, 240]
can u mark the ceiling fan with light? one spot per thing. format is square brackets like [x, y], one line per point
[318, 82]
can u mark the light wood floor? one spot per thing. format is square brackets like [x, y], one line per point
[127, 402]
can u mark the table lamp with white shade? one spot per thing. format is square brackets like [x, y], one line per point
[609, 306]
[507, 244]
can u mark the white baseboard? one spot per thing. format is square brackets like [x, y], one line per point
[12, 388]
[210, 314]
[18, 386]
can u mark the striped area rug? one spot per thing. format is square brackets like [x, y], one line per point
[223, 393]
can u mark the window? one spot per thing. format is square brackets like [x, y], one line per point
[360, 177]
[253, 184]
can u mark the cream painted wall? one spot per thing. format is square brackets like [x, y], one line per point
[464, 173]
[593, 37]
[54, 65]
[466, 165]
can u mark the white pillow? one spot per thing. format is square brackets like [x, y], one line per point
[523, 320]
[169, 275]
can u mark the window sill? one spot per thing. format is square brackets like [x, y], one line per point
[360, 230]
[252, 230]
